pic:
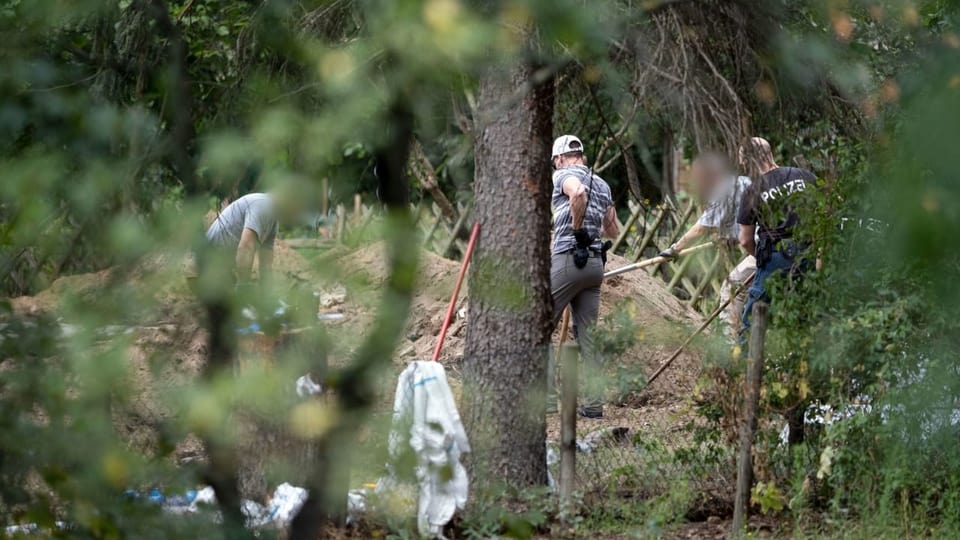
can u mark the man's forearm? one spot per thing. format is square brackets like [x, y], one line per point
[695, 232]
[244, 262]
[266, 265]
[611, 231]
[578, 210]
[610, 228]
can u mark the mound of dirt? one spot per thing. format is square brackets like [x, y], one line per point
[656, 303]
[287, 261]
[659, 316]
[436, 278]
[663, 321]
[170, 350]
[48, 300]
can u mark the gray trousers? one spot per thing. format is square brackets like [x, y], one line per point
[580, 289]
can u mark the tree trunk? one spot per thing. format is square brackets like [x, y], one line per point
[510, 302]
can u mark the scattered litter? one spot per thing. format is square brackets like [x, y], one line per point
[31, 528]
[251, 329]
[68, 330]
[334, 296]
[331, 316]
[825, 415]
[280, 510]
[604, 437]
[205, 496]
[356, 504]
[182, 504]
[279, 317]
[285, 504]
[553, 457]
[306, 387]
[257, 516]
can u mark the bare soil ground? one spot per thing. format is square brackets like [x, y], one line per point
[170, 350]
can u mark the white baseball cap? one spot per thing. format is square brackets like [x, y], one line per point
[566, 144]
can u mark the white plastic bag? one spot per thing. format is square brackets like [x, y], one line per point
[286, 503]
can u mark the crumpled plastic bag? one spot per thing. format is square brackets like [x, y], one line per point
[286, 502]
[306, 387]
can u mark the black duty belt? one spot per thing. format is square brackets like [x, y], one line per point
[790, 249]
[593, 252]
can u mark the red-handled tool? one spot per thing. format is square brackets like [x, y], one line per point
[456, 291]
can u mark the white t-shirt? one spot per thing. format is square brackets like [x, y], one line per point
[255, 212]
[721, 211]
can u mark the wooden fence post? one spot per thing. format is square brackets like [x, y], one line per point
[341, 223]
[707, 278]
[678, 231]
[325, 196]
[749, 426]
[448, 245]
[625, 231]
[649, 235]
[568, 419]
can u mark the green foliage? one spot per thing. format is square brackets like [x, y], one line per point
[873, 333]
[526, 514]
[122, 123]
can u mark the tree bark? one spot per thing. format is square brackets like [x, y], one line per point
[510, 302]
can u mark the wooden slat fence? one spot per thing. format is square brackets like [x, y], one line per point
[696, 279]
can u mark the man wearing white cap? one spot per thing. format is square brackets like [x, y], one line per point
[582, 213]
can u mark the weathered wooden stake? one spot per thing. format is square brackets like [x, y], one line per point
[569, 358]
[625, 230]
[749, 426]
[341, 223]
[645, 241]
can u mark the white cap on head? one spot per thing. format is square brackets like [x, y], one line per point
[566, 144]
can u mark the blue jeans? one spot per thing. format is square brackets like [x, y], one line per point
[758, 290]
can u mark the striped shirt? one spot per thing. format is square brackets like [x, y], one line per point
[599, 201]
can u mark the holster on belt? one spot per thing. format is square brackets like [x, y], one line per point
[764, 251]
[604, 248]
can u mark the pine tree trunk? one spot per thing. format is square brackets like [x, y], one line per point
[510, 303]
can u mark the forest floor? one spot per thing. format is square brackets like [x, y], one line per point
[349, 282]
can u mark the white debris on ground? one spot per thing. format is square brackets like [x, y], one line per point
[334, 296]
[31, 529]
[605, 437]
[825, 415]
[356, 504]
[306, 387]
[279, 511]
[553, 458]
[286, 503]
